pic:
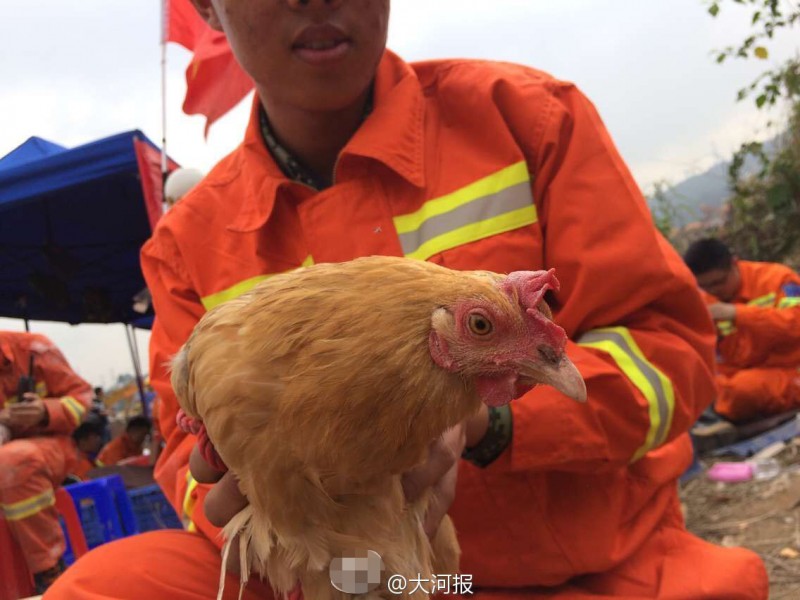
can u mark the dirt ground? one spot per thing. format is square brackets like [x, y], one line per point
[763, 516]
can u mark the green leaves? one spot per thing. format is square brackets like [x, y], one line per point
[779, 197]
[769, 17]
[763, 211]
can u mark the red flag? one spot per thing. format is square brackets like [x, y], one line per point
[182, 23]
[148, 159]
[215, 82]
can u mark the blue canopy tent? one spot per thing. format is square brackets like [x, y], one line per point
[72, 222]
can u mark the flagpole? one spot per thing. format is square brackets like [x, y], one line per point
[164, 22]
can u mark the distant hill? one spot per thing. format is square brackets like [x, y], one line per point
[702, 196]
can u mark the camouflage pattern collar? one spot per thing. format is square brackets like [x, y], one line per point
[288, 163]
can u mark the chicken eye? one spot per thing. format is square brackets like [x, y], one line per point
[479, 325]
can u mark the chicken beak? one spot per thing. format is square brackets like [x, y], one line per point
[560, 374]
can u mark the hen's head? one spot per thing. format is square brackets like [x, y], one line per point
[507, 344]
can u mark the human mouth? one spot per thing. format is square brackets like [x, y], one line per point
[321, 44]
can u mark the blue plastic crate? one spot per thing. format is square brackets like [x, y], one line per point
[93, 529]
[104, 509]
[69, 555]
[152, 510]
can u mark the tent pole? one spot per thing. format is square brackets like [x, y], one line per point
[27, 325]
[164, 33]
[136, 367]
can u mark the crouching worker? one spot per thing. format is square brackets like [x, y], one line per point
[756, 307]
[128, 445]
[89, 440]
[40, 452]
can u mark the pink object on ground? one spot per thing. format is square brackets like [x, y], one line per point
[731, 472]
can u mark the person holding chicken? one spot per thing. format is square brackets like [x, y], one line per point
[42, 400]
[471, 165]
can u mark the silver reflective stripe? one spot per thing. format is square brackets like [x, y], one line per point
[629, 357]
[478, 210]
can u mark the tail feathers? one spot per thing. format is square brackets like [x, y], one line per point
[237, 526]
[244, 565]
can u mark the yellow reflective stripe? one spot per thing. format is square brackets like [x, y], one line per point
[505, 178]
[725, 328]
[494, 204]
[789, 302]
[766, 300]
[74, 408]
[188, 501]
[476, 231]
[240, 288]
[28, 507]
[648, 379]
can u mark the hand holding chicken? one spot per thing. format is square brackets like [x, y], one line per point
[320, 387]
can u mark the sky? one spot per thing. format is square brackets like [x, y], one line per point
[72, 71]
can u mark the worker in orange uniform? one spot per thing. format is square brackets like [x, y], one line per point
[89, 440]
[40, 453]
[756, 306]
[129, 444]
[473, 165]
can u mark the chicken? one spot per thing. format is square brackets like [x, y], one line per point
[320, 387]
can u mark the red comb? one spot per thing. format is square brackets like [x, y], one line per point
[530, 288]
[531, 285]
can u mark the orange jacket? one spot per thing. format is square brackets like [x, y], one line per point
[66, 396]
[478, 165]
[767, 328]
[118, 449]
[84, 465]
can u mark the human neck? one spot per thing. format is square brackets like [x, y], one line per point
[315, 137]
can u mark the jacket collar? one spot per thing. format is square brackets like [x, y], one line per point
[392, 134]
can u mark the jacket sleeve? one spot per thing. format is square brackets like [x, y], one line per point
[767, 336]
[111, 453]
[68, 397]
[178, 309]
[642, 337]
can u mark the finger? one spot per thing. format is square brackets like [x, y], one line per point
[224, 500]
[18, 418]
[442, 496]
[201, 471]
[444, 453]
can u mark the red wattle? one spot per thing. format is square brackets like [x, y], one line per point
[207, 450]
[496, 391]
